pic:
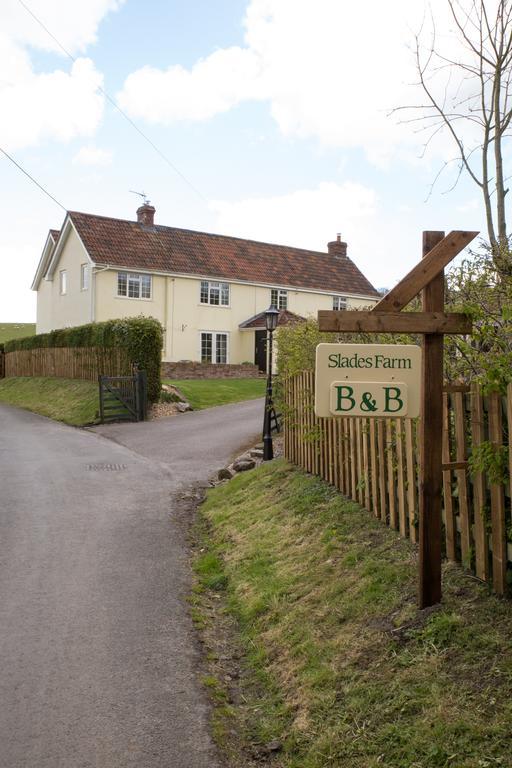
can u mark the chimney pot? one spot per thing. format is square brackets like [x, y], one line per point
[337, 248]
[146, 215]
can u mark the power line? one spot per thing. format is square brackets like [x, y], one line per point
[116, 105]
[13, 161]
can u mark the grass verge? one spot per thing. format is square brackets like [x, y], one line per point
[206, 393]
[72, 401]
[10, 331]
[339, 666]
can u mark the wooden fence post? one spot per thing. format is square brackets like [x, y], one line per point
[431, 475]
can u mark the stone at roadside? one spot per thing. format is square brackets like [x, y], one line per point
[274, 746]
[184, 407]
[242, 465]
[256, 453]
[225, 474]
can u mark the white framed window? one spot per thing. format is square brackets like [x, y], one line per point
[214, 293]
[84, 277]
[214, 347]
[133, 286]
[279, 298]
[339, 302]
[63, 282]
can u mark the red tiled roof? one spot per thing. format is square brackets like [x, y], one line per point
[121, 243]
[55, 234]
[285, 318]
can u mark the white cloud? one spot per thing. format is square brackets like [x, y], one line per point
[59, 104]
[74, 24]
[306, 218]
[91, 155]
[212, 86]
[328, 69]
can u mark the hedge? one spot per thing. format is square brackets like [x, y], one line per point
[141, 337]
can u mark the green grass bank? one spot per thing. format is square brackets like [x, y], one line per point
[206, 393]
[339, 667]
[72, 401]
[10, 331]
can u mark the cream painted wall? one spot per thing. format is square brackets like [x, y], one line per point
[44, 307]
[74, 307]
[108, 305]
[188, 317]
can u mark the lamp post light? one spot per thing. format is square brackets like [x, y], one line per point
[271, 320]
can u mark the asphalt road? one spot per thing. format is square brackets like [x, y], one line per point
[98, 656]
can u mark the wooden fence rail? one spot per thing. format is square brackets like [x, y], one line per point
[68, 362]
[375, 462]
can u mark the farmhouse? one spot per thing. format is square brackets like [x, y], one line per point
[208, 291]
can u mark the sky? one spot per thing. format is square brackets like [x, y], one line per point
[275, 119]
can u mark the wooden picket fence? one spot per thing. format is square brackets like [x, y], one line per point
[375, 462]
[68, 362]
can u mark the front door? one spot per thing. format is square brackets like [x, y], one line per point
[260, 350]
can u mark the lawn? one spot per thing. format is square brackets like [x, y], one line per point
[205, 393]
[16, 330]
[339, 667]
[72, 401]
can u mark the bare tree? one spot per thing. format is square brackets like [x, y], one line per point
[469, 95]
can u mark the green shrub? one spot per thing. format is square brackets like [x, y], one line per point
[141, 337]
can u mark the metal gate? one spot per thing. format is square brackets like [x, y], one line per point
[123, 398]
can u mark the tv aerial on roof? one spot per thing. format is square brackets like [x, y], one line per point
[145, 198]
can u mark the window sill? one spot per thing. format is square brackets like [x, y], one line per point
[131, 298]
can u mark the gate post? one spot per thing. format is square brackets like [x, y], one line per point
[100, 385]
[141, 384]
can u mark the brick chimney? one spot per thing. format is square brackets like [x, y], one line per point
[337, 248]
[146, 215]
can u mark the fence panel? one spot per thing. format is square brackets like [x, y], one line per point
[375, 462]
[67, 362]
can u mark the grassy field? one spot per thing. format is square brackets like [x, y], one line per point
[339, 667]
[16, 330]
[69, 400]
[205, 393]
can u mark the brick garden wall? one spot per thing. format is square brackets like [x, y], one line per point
[190, 370]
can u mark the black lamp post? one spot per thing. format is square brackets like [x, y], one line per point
[271, 320]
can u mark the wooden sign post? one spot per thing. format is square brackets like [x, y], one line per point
[426, 277]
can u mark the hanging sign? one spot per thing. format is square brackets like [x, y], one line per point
[368, 380]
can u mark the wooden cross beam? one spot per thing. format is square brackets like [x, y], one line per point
[433, 262]
[386, 317]
[394, 322]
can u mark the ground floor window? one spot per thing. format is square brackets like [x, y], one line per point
[214, 347]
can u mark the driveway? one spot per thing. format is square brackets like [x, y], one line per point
[98, 656]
